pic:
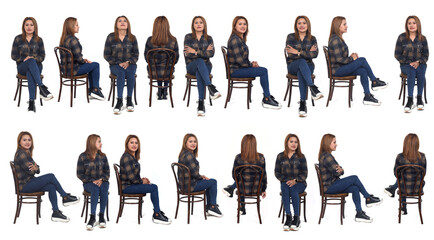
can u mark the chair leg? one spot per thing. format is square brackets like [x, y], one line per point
[287, 89]
[37, 209]
[150, 93]
[84, 206]
[192, 204]
[87, 89]
[204, 205]
[238, 209]
[139, 213]
[120, 208]
[330, 93]
[177, 206]
[424, 93]
[281, 208]
[228, 97]
[16, 212]
[258, 205]
[249, 88]
[186, 89]
[399, 209]
[113, 91]
[170, 92]
[321, 215]
[304, 209]
[282, 211]
[290, 91]
[403, 94]
[350, 93]
[188, 210]
[75, 88]
[21, 204]
[18, 87]
[107, 210]
[189, 92]
[419, 203]
[402, 87]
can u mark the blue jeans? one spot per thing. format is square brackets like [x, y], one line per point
[260, 72]
[202, 71]
[211, 190]
[93, 70]
[95, 194]
[412, 74]
[45, 183]
[145, 188]
[123, 74]
[351, 185]
[358, 67]
[290, 194]
[304, 71]
[32, 70]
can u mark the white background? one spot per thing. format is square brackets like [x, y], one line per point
[369, 138]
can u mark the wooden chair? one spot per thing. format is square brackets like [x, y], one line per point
[127, 198]
[410, 190]
[248, 179]
[179, 171]
[113, 84]
[191, 79]
[346, 81]
[232, 82]
[26, 198]
[302, 197]
[337, 199]
[68, 79]
[86, 203]
[22, 81]
[403, 88]
[169, 57]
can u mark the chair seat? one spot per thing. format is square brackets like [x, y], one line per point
[403, 75]
[193, 193]
[194, 76]
[336, 195]
[75, 76]
[25, 77]
[162, 79]
[113, 76]
[412, 195]
[242, 79]
[303, 194]
[345, 78]
[296, 77]
[133, 195]
[88, 194]
[34, 194]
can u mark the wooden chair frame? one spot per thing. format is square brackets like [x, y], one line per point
[302, 197]
[86, 203]
[403, 77]
[22, 81]
[113, 84]
[191, 80]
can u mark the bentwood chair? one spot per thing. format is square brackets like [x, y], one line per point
[22, 81]
[403, 77]
[302, 197]
[113, 84]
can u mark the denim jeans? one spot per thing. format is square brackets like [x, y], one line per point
[304, 71]
[96, 193]
[351, 185]
[146, 188]
[358, 67]
[290, 194]
[412, 74]
[202, 71]
[45, 183]
[211, 190]
[123, 74]
[260, 72]
[93, 70]
[32, 70]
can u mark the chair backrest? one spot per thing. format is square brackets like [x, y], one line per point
[182, 176]
[329, 66]
[318, 174]
[118, 177]
[248, 179]
[225, 58]
[410, 179]
[61, 52]
[161, 62]
[14, 174]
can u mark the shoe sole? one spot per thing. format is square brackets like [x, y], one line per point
[161, 222]
[216, 96]
[302, 114]
[420, 107]
[103, 225]
[388, 193]
[97, 97]
[317, 97]
[364, 220]
[118, 112]
[89, 228]
[371, 103]
[286, 229]
[374, 204]
[380, 87]
[48, 98]
[228, 194]
[59, 220]
[201, 114]
[129, 109]
[211, 213]
[294, 228]
[271, 106]
[71, 203]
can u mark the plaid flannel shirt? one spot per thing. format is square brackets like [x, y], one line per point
[116, 52]
[129, 171]
[188, 159]
[338, 53]
[407, 51]
[250, 185]
[22, 160]
[327, 169]
[200, 46]
[291, 168]
[410, 176]
[22, 49]
[161, 59]
[72, 43]
[91, 170]
[303, 47]
[238, 53]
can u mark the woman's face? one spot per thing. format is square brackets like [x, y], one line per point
[241, 26]
[412, 25]
[76, 27]
[198, 25]
[122, 24]
[26, 142]
[333, 145]
[98, 144]
[302, 25]
[133, 145]
[29, 28]
[292, 144]
[343, 27]
[191, 143]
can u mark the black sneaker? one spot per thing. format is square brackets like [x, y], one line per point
[288, 221]
[213, 92]
[130, 105]
[302, 110]
[270, 102]
[243, 209]
[373, 201]
[419, 103]
[91, 223]
[378, 84]
[369, 99]
[57, 216]
[409, 106]
[295, 224]
[404, 209]
[119, 107]
[160, 94]
[32, 107]
[164, 94]
[390, 191]
[44, 93]
[316, 94]
[160, 218]
[69, 200]
[97, 94]
[201, 108]
[101, 222]
[229, 191]
[362, 217]
[214, 210]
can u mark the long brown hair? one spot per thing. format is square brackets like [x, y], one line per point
[184, 145]
[127, 150]
[298, 150]
[91, 150]
[326, 141]
[419, 28]
[334, 29]
[249, 151]
[410, 149]
[308, 32]
[234, 23]
[68, 29]
[161, 31]
[35, 25]
[130, 35]
[20, 136]
[205, 29]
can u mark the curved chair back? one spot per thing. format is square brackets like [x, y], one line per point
[318, 174]
[248, 179]
[182, 178]
[161, 62]
[329, 66]
[118, 177]
[14, 174]
[61, 55]
[225, 57]
[410, 179]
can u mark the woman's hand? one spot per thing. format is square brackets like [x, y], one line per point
[339, 169]
[98, 182]
[87, 60]
[291, 183]
[33, 167]
[264, 194]
[210, 47]
[146, 181]
[204, 177]
[415, 64]
[354, 56]
[188, 50]
[27, 58]
[313, 48]
[124, 65]
[291, 50]
[255, 64]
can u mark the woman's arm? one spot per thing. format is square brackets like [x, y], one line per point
[76, 50]
[209, 51]
[302, 171]
[176, 49]
[237, 50]
[15, 53]
[337, 51]
[312, 52]
[41, 53]
[81, 169]
[332, 166]
[108, 51]
[106, 170]
[425, 52]
[135, 54]
[128, 170]
[399, 50]
[278, 169]
[188, 160]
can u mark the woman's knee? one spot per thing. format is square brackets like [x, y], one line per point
[213, 181]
